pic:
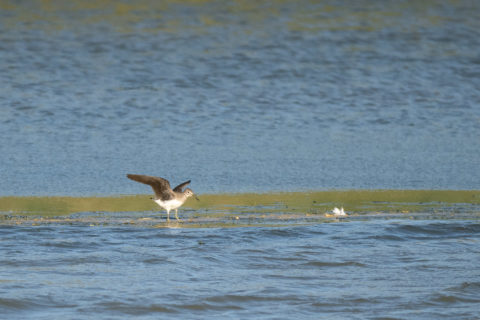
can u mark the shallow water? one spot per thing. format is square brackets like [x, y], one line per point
[377, 269]
[239, 96]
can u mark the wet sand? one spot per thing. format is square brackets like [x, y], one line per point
[233, 210]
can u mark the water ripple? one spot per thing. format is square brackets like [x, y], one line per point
[334, 264]
[295, 104]
[305, 270]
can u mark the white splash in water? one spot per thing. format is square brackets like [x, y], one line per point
[338, 212]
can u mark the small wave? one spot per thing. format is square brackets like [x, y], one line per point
[248, 298]
[470, 287]
[435, 230]
[345, 301]
[208, 307]
[132, 308]
[466, 289]
[442, 298]
[157, 260]
[284, 232]
[334, 264]
[466, 292]
[14, 304]
[84, 259]
[387, 237]
[69, 244]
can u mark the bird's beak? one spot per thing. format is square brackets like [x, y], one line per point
[196, 198]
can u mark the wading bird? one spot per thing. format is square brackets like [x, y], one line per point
[165, 197]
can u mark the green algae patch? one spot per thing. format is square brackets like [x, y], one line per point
[354, 201]
[57, 206]
[215, 205]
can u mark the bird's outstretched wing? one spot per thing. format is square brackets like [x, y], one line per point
[160, 186]
[180, 186]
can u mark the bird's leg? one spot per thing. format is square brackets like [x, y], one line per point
[168, 215]
[176, 214]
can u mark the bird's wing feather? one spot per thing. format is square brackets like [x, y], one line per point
[180, 186]
[160, 186]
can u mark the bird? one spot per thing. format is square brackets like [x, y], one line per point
[336, 213]
[339, 212]
[165, 197]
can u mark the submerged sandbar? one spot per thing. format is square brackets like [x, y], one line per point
[313, 202]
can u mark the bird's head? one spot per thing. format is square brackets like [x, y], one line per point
[188, 193]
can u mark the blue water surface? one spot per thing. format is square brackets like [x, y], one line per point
[354, 270]
[239, 96]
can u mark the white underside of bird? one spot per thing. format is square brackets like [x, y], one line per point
[168, 204]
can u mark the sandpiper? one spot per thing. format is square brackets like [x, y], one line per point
[165, 197]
